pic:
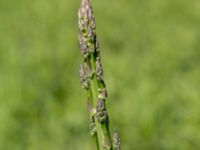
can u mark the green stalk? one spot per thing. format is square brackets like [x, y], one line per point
[102, 129]
[92, 119]
[91, 74]
[98, 130]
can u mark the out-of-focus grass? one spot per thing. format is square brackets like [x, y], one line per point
[150, 52]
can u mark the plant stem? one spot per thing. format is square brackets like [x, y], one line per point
[102, 129]
[91, 75]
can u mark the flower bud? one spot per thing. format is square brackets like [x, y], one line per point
[83, 78]
[99, 69]
[116, 140]
[101, 111]
[92, 126]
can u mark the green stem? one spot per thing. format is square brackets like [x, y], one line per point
[103, 134]
[98, 129]
[91, 102]
[94, 87]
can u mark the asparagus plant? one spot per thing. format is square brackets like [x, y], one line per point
[91, 76]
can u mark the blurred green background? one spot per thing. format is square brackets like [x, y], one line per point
[151, 58]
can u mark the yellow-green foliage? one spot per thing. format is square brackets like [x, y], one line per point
[151, 56]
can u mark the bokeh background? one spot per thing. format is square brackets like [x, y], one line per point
[151, 58]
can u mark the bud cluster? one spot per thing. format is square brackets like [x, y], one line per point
[92, 126]
[83, 78]
[99, 69]
[116, 140]
[88, 42]
[87, 29]
[101, 111]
